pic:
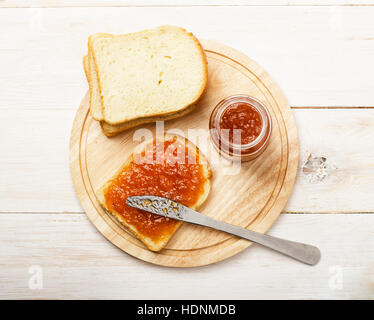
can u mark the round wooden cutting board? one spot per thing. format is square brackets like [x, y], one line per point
[251, 195]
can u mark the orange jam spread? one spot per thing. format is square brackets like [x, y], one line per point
[241, 116]
[165, 169]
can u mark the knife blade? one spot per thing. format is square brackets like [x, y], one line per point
[172, 209]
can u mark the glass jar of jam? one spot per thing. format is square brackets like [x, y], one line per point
[240, 127]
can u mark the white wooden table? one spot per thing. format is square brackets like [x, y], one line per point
[321, 53]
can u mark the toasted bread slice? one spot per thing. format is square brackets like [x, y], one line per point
[149, 73]
[157, 179]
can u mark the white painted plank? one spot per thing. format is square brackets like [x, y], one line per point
[160, 3]
[345, 181]
[320, 56]
[77, 262]
[34, 161]
[35, 175]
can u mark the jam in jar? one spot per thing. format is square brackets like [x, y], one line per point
[240, 127]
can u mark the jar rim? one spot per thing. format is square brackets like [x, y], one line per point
[255, 104]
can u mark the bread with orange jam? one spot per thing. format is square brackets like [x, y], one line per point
[168, 166]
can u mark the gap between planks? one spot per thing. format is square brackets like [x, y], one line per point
[292, 107]
[283, 213]
[5, 6]
[333, 107]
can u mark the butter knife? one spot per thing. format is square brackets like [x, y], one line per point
[171, 209]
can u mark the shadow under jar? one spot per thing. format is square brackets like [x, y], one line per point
[240, 127]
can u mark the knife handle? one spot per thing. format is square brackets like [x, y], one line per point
[302, 252]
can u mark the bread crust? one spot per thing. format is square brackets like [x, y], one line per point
[91, 40]
[85, 67]
[111, 130]
[152, 245]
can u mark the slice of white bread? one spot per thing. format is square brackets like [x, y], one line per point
[149, 73]
[157, 245]
[96, 104]
[113, 129]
